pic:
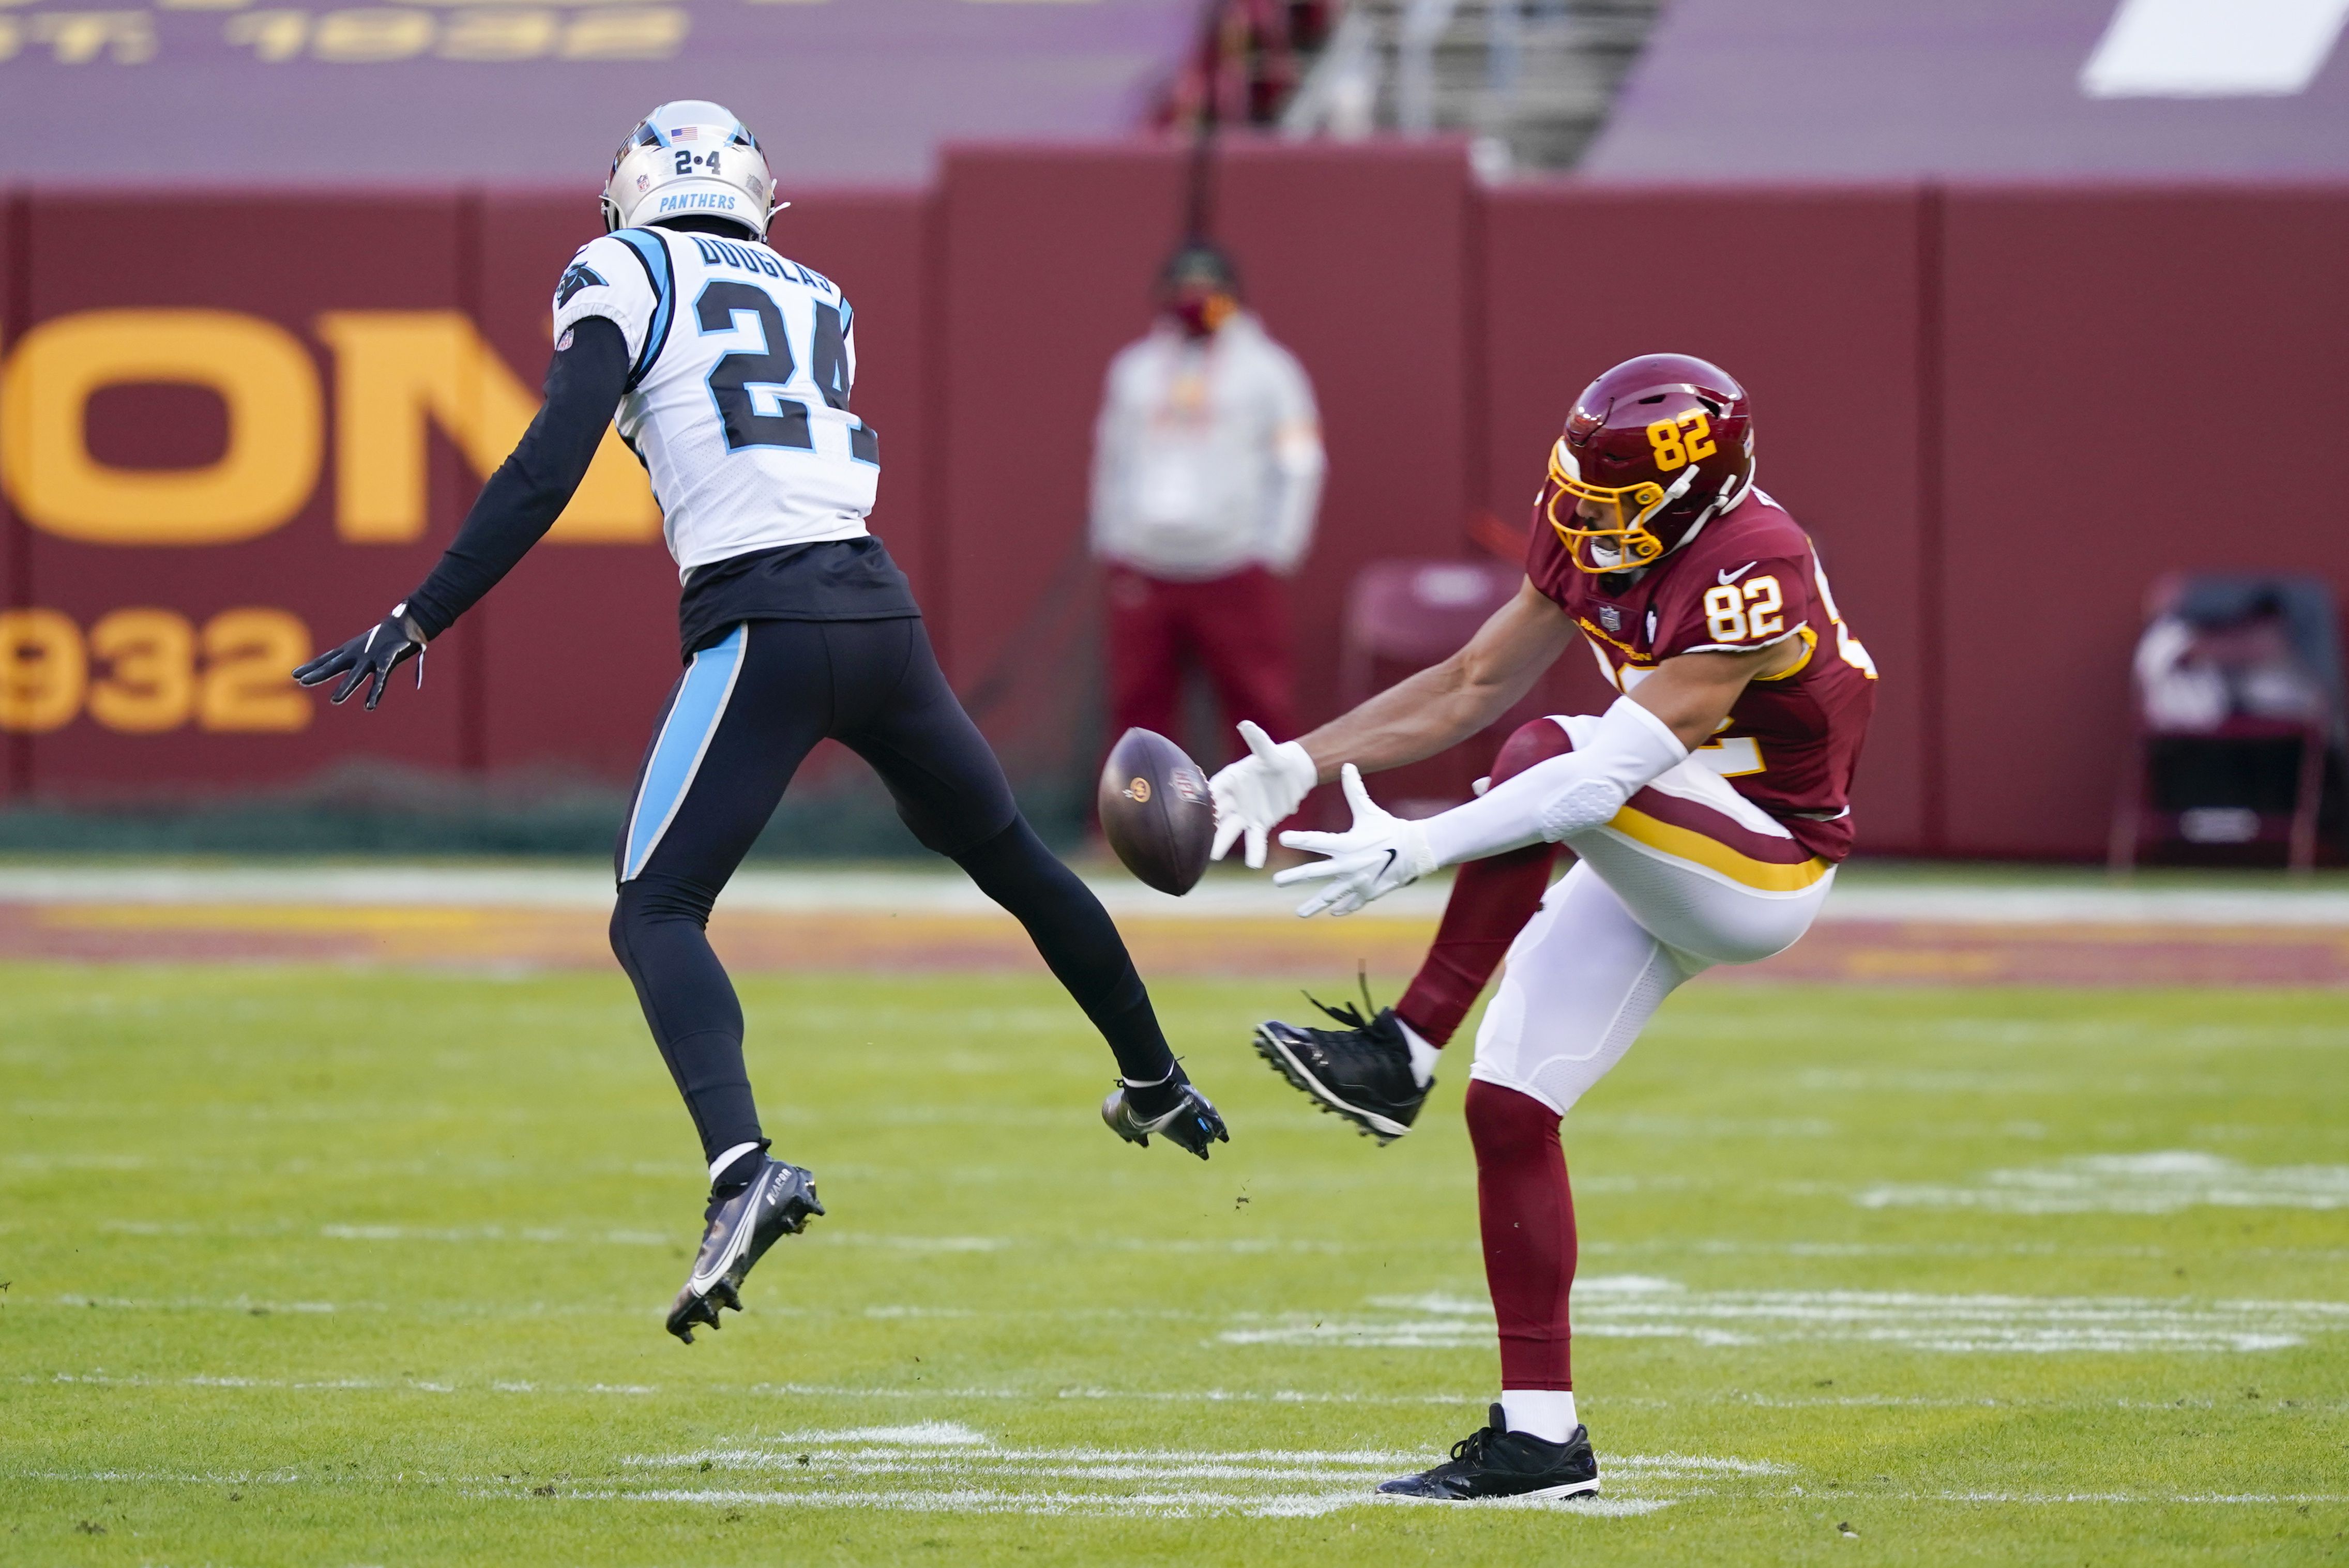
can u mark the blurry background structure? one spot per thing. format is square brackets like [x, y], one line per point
[273, 297]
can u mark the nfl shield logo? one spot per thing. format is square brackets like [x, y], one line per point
[1610, 617]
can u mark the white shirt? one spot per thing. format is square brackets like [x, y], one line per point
[738, 400]
[1207, 455]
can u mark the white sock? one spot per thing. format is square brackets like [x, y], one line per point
[717, 1166]
[1422, 1054]
[1543, 1413]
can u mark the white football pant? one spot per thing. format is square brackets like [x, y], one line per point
[1689, 874]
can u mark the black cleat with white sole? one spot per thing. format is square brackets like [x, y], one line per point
[1361, 1072]
[1494, 1462]
[776, 1202]
[1192, 1125]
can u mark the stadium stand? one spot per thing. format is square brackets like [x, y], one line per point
[1855, 90]
[1246, 62]
[859, 92]
[1531, 80]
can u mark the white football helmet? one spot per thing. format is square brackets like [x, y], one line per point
[690, 158]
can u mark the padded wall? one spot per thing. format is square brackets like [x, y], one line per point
[2002, 413]
[279, 262]
[15, 544]
[2138, 382]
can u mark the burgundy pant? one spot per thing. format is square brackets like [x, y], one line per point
[1235, 627]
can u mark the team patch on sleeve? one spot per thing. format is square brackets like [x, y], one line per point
[579, 276]
[617, 281]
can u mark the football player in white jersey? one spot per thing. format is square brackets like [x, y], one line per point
[730, 368]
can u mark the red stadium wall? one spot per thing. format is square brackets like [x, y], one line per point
[1973, 398]
[2137, 383]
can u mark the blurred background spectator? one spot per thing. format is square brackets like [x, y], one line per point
[1206, 472]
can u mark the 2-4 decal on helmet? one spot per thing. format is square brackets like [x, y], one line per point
[723, 174]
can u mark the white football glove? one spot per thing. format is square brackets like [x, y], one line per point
[1254, 795]
[1380, 853]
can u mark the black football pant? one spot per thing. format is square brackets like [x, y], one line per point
[743, 714]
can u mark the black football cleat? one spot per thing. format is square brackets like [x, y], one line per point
[1361, 1072]
[778, 1201]
[1192, 1125]
[1496, 1462]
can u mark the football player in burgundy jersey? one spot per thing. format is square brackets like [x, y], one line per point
[1705, 811]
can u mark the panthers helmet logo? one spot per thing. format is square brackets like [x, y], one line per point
[580, 276]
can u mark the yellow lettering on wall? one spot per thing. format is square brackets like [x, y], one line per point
[399, 372]
[247, 654]
[258, 369]
[42, 670]
[151, 680]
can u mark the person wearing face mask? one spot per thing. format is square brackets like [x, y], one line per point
[1207, 468]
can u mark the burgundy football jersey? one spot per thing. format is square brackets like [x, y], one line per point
[1747, 579]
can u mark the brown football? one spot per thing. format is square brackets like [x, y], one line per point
[1154, 811]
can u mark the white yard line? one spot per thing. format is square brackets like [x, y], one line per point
[922, 893]
[1635, 1307]
[969, 1471]
[2162, 1183]
[1350, 1490]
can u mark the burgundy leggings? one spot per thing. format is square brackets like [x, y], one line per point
[1527, 1212]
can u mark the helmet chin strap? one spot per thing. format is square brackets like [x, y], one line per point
[1680, 488]
[1727, 501]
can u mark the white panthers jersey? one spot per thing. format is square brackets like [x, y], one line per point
[737, 394]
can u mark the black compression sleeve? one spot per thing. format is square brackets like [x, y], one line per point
[530, 489]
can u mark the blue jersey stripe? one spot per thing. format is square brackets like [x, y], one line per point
[693, 719]
[652, 253]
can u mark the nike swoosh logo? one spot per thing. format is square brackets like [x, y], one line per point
[1385, 864]
[1727, 577]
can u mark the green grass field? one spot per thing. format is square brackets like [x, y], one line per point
[317, 1267]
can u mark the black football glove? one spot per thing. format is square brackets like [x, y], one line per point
[370, 658]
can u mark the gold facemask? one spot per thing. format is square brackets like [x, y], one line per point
[1620, 526]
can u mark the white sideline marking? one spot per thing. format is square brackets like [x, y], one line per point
[1137, 1396]
[1007, 1500]
[971, 1472]
[1187, 1503]
[838, 1238]
[232, 1304]
[1639, 1306]
[542, 1233]
[776, 1390]
[236, 1382]
[328, 1384]
[1703, 1127]
[557, 1236]
[2155, 1183]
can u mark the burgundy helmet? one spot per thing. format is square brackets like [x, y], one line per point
[1659, 446]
